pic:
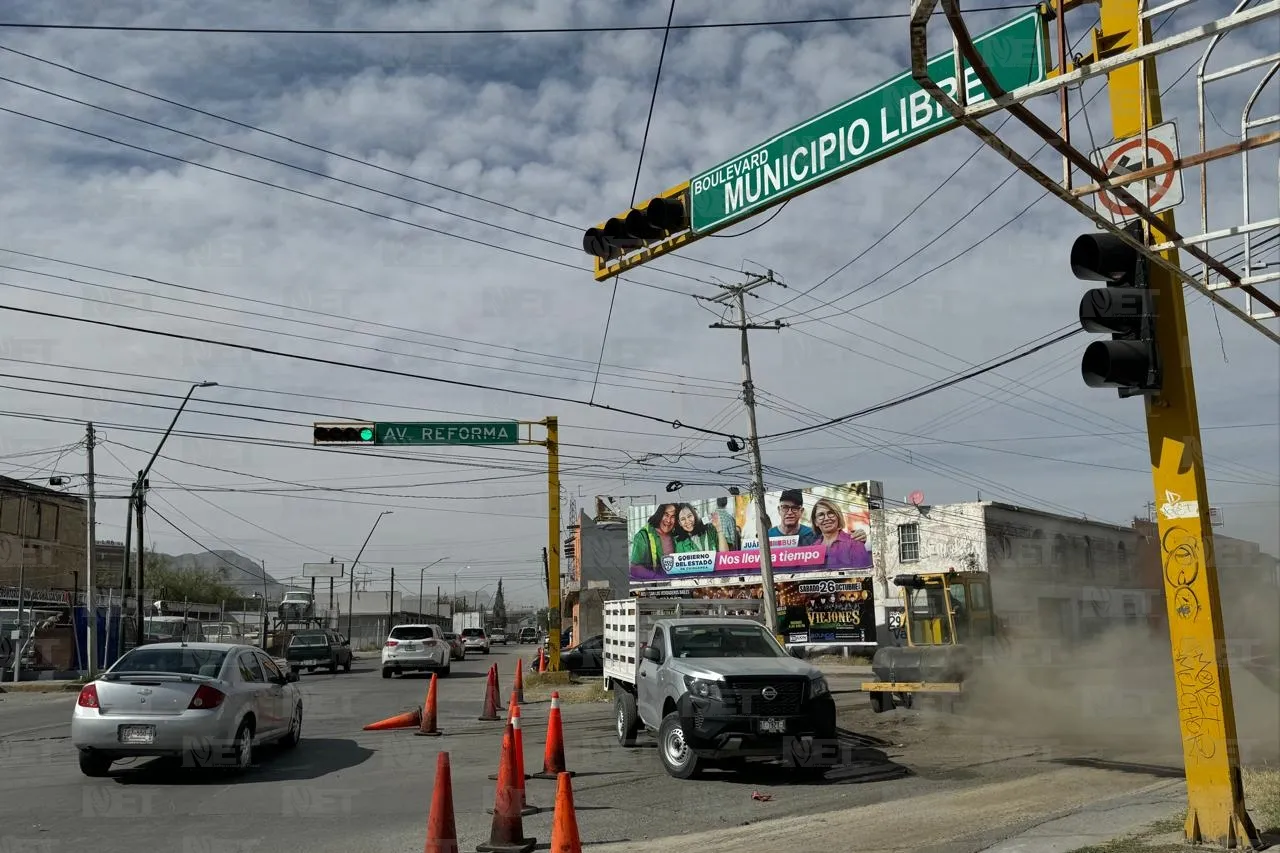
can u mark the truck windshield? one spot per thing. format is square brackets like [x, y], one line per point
[722, 641]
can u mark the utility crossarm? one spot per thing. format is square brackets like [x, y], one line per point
[922, 11]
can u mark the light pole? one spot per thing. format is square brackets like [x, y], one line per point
[422, 572]
[140, 501]
[351, 593]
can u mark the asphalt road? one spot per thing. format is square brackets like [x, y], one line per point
[348, 790]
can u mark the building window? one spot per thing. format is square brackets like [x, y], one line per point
[908, 543]
[1122, 561]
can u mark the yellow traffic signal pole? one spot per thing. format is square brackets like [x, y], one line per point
[552, 444]
[1211, 755]
[1206, 716]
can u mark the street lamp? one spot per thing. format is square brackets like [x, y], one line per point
[351, 594]
[422, 572]
[140, 501]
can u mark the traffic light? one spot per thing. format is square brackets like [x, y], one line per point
[1129, 362]
[641, 234]
[345, 433]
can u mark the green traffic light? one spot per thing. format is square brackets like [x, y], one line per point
[366, 434]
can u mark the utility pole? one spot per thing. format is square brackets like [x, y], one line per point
[124, 572]
[264, 604]
[138, 509]
[1215, 793]
[737, 294]
[22, 583]
[351, 589]
[91, 548]
[391, 600]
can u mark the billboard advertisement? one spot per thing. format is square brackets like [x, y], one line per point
[827, 610]
[817, 529]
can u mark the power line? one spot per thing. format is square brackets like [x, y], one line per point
[719, 25]
[915, 395]
[644, 142]
[364, 367]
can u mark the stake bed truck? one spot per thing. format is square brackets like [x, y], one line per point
[713, 684]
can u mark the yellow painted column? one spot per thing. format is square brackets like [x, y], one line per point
[1216, 812]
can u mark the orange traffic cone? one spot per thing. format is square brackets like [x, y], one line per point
[428, 727]
[517, 746]
[519, 683]
[408, 720]
[491, 698]
[512, 709]
[542, 660]
[442, 831]
[553, 758]
[507, 832]
[564, 826]
[497, 684]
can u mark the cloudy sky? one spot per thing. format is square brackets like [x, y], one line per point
[406, 210]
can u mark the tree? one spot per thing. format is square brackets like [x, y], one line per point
[499, 607]
[166, 582]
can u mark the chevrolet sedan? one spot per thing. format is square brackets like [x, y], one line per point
[209, 704]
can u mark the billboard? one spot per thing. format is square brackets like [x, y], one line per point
[822, 610]
[817, 529]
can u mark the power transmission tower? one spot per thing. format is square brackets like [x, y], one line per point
[736, 295]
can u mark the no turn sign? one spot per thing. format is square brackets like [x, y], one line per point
[1125, 157]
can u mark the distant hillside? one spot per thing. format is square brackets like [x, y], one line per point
[235, 570]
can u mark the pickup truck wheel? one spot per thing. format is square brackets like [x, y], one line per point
[625, 718]
[346, 667]
[677, 757]
[386, 673]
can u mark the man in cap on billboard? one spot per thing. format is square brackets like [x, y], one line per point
[791, 508]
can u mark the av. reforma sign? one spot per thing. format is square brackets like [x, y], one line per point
[811, 530]
[862, 130]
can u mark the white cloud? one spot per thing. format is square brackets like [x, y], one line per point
[552, 124]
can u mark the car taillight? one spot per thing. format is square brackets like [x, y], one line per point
[88, 696]
[391, 643]
[206, 698]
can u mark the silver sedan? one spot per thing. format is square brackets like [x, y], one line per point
[206, 703]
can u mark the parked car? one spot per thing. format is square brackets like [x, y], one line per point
[459, 650]
[475, 638]
[528, 635]
[317, 648]
[586, 658]
[498, 638]
[208, 703]
[416, 648]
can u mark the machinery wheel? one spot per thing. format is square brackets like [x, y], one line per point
[625, 717]
[904, 700]
[881, 701]
[678, 758]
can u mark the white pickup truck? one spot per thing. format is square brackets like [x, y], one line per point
[713, 684]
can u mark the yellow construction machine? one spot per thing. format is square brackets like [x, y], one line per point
[950, 625]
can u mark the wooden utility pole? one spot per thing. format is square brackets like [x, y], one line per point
[90, 578]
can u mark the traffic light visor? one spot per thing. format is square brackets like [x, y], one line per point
[1103, 257]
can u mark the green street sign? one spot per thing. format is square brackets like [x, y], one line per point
[861, 131]
[492, 432]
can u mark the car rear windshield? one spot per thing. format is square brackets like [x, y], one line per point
[473, 632]
[174, 661]
[309, 640]
[412, 632]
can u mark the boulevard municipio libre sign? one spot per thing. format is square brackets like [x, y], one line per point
[489, 432]
[862, 130]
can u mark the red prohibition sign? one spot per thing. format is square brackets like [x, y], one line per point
[1157, 151]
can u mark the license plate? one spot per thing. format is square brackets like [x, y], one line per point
[137, 734]
[308, 663]
[410, 647]
[773, 726]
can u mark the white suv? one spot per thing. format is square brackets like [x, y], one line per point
[475, 638]
[415, 648]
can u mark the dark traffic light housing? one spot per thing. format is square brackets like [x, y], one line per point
[656, 226]
[345, 433]
[1130, 361]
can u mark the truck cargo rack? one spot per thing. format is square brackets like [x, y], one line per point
[626, 620]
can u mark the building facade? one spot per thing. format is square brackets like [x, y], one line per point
[1051, 575]
[596, 558]
[42, 538]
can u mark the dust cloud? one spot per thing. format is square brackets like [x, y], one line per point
[1113, 696]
